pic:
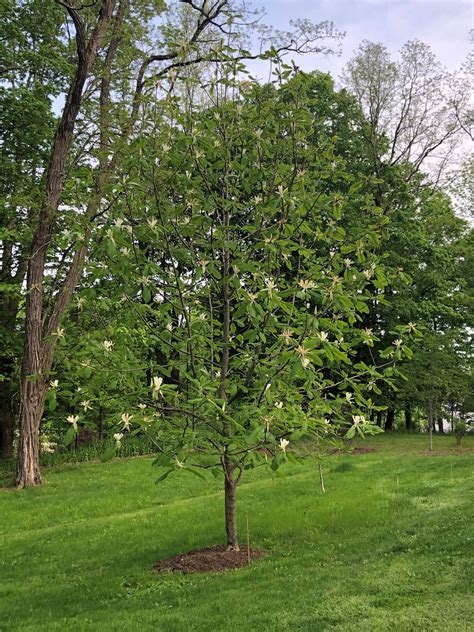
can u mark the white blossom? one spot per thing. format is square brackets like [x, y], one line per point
[284, 444]
[59, 332]
[306, 284]
[126, 419]
[107, 345]
[279, 405]
[118, 436]
[152, 222]
[156, 383]
[54, 383]
[398, 343]
[86, 405]
[73, 419]
[142, 406]
[323, 335]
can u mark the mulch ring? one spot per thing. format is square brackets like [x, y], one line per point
[215, 559]
[362, 450]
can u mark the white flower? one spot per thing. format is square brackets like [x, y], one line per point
[126, 419]
[281, 191]
[156, 383]
[144, 280]
[118, 222]
[73, 419]
[252, 297]
[284, 444]
[54, 383]
[198, 154]
[203, 263]
[398, 343]
[411, 327]
[323, 335]
[257, 199]
[118, 436]
[178, 462]
[368, 274]
[306, 284]
[86, 405]
[349, 396]
[107, 344]
[305, 362]
[358, 419]
[348, 262]
[169, 327]
[152, 222]
[110, 235]
[271, 285]
[142, 406]
[80, 302]
[59, 332]
[286, 334]
[165, 148]
[279, 405]
[258, 133]
[47, 446]
[125, 251]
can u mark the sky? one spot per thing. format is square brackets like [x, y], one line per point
[443, 24]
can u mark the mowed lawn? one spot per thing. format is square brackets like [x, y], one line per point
[389, 546]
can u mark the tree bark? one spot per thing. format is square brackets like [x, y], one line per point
[440, 425]
[379, 418]
[389, 419]
[39, 337]
[230, 487]
[7, 427]
[408, 418]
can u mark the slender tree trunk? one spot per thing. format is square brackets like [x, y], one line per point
[408, 418]
[7, 427]
[321, 477]
[230, 514]
[379, 418]
[430, 423]
[389, 419]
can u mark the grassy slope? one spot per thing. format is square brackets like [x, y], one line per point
[386, 548]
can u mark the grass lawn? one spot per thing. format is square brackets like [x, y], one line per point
[388, 547]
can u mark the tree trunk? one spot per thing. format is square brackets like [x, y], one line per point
[379, 418]
[440, 424]
[7, 426]
[32, 405]
[408, 418]
[389, 419]
[230, 516]
[430, 423]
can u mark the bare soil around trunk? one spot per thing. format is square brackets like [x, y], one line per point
[215, 559]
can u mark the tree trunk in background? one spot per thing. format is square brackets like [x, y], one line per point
[379, 418]
[440, 424]
[389, 419]
[408, 418]
[7, 427]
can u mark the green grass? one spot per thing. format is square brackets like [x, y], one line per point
[388, 547]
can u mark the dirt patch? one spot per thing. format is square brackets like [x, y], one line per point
[362, 450]
[215, 559]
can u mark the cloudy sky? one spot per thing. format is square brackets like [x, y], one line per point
[443, 24]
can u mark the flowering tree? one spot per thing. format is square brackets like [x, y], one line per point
[249, 282]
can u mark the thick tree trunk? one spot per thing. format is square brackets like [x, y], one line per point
[440, 425]
[389, 419]
[379, 418]
[230, 514]
[408, 418]
[32, 405]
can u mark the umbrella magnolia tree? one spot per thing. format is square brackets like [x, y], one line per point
[236, 257]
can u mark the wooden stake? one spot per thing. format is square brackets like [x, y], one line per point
[321, 478]
[248, 536]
